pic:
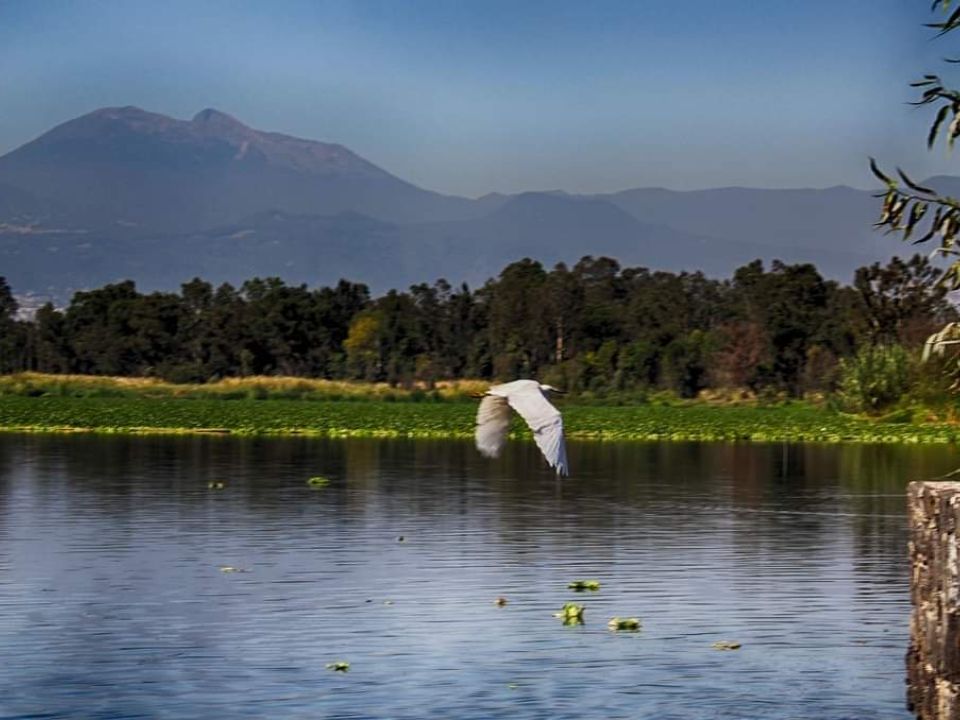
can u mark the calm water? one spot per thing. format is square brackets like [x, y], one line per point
[113, 604]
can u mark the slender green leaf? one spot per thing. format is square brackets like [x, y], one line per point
[935, 127]
[933, 228]
[954, 130]
[914, 186]
[917, 212]
[951, 23]
[879, 175]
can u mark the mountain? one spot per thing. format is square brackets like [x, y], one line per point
[553, 227]
[323, 248]
[140, 170]
[125, 193]
[832, 227]
[18, 207]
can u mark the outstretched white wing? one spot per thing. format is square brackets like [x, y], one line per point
[545, 421]
[493, 421]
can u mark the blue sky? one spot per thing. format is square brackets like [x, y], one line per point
[472, 97]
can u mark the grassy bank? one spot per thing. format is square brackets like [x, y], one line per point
[339, 418]
[248, 388]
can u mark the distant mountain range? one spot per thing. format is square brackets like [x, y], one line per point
[124, 193]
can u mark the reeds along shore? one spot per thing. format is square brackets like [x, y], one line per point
[284, 406]
[253, 388]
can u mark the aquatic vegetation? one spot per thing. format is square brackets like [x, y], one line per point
[570, 614]
[628, 624]
[338, 666]
[171, 415]
[232, 569]
[318, 481]
[581, 585]
[725, 645]
[137, 415]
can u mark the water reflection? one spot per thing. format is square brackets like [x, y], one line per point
[112, 603]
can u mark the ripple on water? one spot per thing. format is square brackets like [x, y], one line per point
[113, 602]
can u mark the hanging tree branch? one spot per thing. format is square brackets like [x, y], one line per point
[920, 212]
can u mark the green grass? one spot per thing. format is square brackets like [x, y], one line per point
[173, 415]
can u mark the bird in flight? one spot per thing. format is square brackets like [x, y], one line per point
[528, 398]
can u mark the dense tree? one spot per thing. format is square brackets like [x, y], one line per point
[401, 339]
[53, 351]
[362, 345]
[11, 339]
[743, 348]
[281, 327]
[102, 338]
[789, 302]
[900, 302]
[562, 297]
[596, 327]
[602, 290]
[335, 308]
[517, 336]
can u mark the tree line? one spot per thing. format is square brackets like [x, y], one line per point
[595, 327]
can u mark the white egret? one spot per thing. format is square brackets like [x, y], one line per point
[528, 398]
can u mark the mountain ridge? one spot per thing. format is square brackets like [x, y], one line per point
[124, 192]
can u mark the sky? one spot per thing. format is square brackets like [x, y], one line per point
[470, 97]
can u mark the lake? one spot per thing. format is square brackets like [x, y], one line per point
[114, 603]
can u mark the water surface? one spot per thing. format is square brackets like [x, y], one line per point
[113, 603]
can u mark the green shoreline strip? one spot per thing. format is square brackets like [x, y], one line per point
[174, 416]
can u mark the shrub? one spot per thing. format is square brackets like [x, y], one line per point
[876, 378]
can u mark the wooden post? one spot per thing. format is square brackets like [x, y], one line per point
[933, 660]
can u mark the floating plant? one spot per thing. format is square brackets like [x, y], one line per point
[628, 624]
[570, 614]
[725, 645]
[581, 585]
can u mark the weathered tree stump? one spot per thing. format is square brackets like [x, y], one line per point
[933, 660]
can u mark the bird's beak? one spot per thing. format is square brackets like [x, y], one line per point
[561, 392]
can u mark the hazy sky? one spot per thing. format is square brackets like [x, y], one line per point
[472, 97]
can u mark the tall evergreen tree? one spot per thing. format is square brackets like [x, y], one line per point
[10, 336]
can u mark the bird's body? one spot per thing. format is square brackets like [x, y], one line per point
[528, 399]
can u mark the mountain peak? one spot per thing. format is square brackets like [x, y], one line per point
[128, 114]
[215, 119]
[121, 111]
[104, 121]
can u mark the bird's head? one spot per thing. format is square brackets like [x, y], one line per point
[551, 388]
